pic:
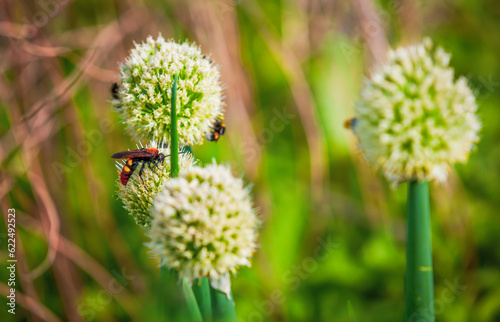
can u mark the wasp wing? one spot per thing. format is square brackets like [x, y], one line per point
[141, 153]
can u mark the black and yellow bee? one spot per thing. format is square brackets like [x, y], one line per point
[115, 92]
[350, 123]
[216, 131]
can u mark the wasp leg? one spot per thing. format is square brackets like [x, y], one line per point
[140, 174]
[153, 166]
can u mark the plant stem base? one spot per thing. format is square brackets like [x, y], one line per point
[419, 283]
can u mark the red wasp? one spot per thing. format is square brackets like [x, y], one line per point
[149, 156]
[216, 131]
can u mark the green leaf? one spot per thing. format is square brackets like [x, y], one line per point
[222, 306]
[201, 290]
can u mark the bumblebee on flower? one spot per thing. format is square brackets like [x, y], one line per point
[143, 97]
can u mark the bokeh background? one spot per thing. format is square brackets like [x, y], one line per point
[332, 244]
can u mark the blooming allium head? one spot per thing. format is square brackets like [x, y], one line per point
[137, 196]
[204, 223]
[144, 96]
[413, 119]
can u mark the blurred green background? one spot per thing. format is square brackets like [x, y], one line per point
[332, 243]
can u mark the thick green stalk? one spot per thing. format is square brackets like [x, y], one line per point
[201, 290]
[174, 137]
[169, 293]
[192, 311]
[419, 286]
[222, 307]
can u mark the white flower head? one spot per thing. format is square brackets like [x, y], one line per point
[137, 196]
[144, 96]
[204, 224]
[414, 119]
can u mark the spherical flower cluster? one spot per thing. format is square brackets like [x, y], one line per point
[413, 119]
[204, 224]
[137, 196]
[144, 96]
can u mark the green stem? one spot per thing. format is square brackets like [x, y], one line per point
[169, 293]
[222, 307]
[419, 287]
[174, 137]
[201, 290]
[193, 312]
